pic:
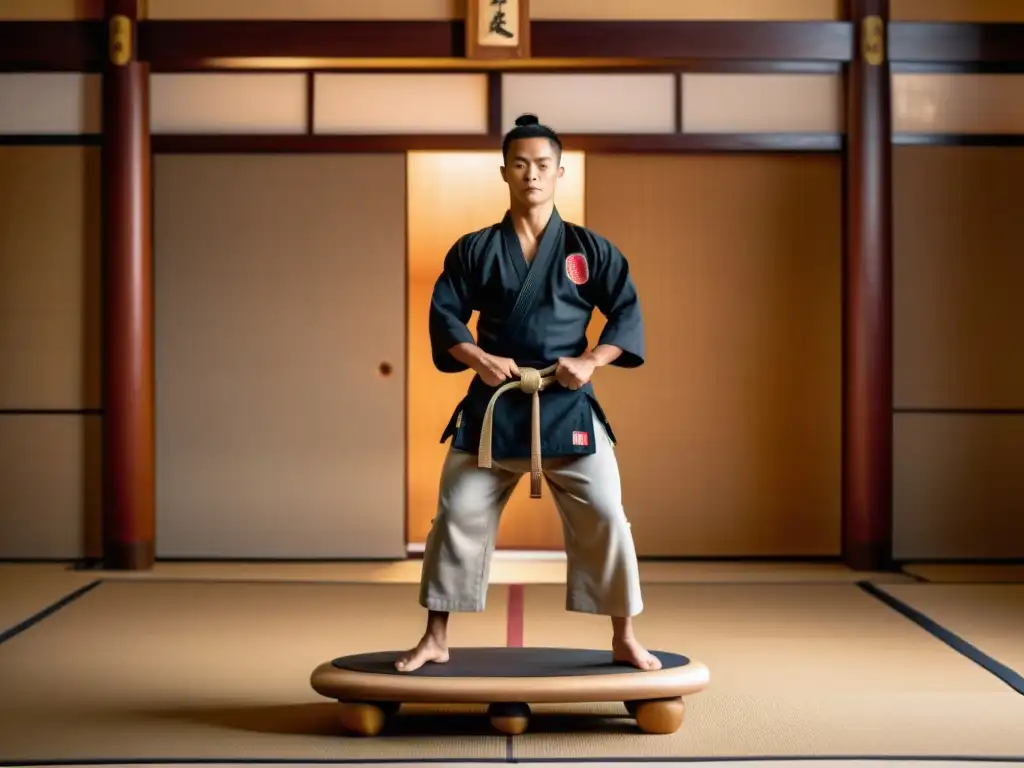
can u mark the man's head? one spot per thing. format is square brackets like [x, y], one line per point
[533, 161]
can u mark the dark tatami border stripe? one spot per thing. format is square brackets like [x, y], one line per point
[114, 578]
[950, 638]
[31, 621]
[505, 760]
[51, 140]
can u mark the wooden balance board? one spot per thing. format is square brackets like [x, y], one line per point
[370, 689]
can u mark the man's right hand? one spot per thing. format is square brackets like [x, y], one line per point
[494, 371]
[491, 370]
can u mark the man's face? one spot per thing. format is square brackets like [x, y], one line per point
[532, 170]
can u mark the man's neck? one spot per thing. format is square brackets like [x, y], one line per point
[531, 220]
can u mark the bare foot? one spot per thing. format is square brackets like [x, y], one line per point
[629, 651]
[429, 650]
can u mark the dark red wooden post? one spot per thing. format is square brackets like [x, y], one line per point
[128, 452]
[867, 295]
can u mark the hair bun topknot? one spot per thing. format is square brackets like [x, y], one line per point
[527, 120]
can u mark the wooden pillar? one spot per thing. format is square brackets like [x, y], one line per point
[128, 437]
[867, 299]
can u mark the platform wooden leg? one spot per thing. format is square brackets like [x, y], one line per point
[660, 716]
[363, 718]
[509, 718]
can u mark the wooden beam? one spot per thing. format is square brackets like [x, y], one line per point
[128, 430]
[612, 143]
[188, 44]
[51, 46]
[956, 42]
[492, 66]
[781, 40]
[867, 298]
[169, 43]
[183, 45]
[958, 139]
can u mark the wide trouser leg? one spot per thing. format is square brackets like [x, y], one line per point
[603, 574]
[457, 558]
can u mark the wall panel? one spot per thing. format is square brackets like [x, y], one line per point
[400, 103]
[50, 346]
[958, 239]
[944, 103]
[592, 103]
[959, 489]
[280, 290]
[50, 486]
[50, 351]
[742, 103]
[50, 103]
[228, 103]
[729, 436]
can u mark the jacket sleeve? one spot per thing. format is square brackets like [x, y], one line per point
[450, 309]
[615, 295]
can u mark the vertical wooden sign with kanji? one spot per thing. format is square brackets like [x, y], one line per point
[497, 29]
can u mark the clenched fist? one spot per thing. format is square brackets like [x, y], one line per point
[495, 370]
[574, 372]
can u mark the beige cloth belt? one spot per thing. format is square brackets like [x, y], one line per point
[531, 381]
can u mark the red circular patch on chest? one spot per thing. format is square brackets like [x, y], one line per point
[576, 268]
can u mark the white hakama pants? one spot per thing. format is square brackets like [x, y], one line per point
[603, 574]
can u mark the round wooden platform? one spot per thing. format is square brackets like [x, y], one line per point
[508, 679]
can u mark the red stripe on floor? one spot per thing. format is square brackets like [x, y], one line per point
[514, 624]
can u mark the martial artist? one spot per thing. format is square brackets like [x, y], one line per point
[535, 281]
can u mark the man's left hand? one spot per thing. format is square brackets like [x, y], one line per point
[574, 372]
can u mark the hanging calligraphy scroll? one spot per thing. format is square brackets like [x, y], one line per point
[497, 29]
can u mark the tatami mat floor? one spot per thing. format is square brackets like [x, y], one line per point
[211, 662]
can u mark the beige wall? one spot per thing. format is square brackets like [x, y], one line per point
[758, 265]
[730, 434]
[50, 352]
[958, 314]
[280, 289]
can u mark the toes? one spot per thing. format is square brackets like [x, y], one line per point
[407, 664]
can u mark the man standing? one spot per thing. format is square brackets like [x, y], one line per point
[535, 281]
